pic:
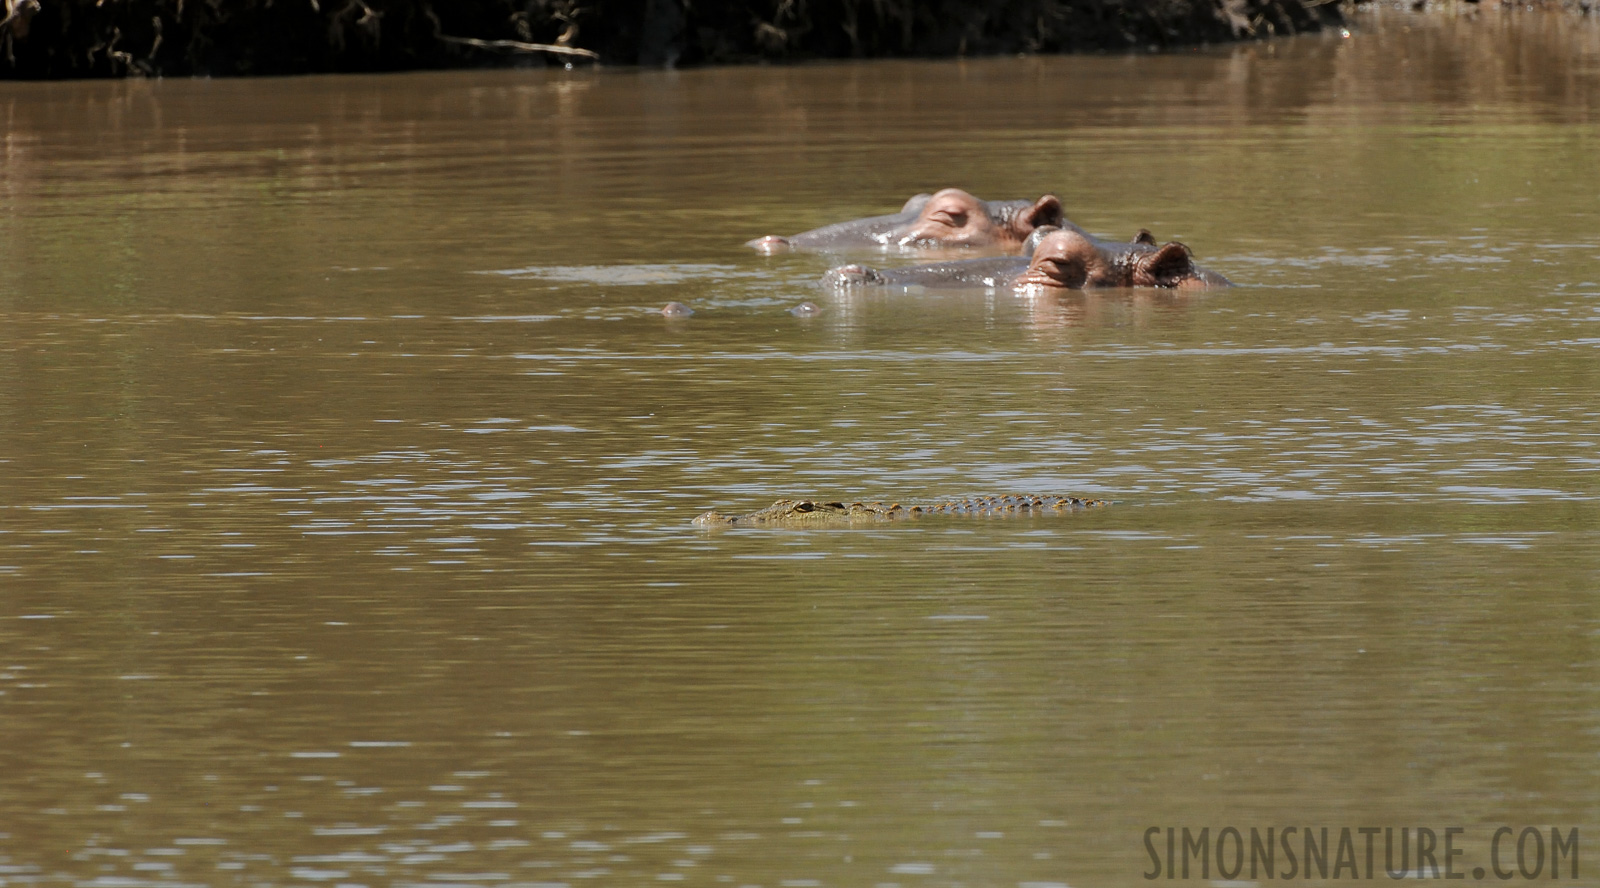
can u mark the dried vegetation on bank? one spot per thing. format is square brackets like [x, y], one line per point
[112, 38]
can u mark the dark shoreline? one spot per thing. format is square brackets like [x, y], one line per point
[67, 39]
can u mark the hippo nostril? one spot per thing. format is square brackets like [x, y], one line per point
[769, 245]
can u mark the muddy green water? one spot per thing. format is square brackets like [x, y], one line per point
[347, 466]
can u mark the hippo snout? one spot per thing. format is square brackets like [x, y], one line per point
[848, 277]
[769, 245]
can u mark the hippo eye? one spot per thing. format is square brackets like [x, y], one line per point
[952, 218]
[1066, 271]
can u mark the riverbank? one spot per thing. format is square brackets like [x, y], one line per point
[174, 38]
[70, 39]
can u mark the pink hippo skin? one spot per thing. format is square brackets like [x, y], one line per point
[951, 219]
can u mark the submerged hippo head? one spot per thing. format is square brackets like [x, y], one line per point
[952, 218]
[1070, 260]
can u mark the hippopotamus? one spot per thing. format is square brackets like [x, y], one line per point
[952, 218]
[1059, 258]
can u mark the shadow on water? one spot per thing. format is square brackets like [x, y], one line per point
[347, 464]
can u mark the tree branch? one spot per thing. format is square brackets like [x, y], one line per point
[519, 46]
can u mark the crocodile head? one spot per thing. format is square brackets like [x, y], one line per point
[782, 511]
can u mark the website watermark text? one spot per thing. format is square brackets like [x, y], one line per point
[1361, 852]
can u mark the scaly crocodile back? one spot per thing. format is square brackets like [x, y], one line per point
[818, 513]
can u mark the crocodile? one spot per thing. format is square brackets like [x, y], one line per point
[815, 513]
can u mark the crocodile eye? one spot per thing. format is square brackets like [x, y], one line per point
[805, 507]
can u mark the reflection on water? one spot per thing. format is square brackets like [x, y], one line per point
[347, 465]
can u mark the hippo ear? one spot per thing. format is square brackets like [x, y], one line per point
[1145, 237]
[1168, 266]
[1045, 211]
[916, 203]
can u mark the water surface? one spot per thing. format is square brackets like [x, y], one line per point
[347, 466]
